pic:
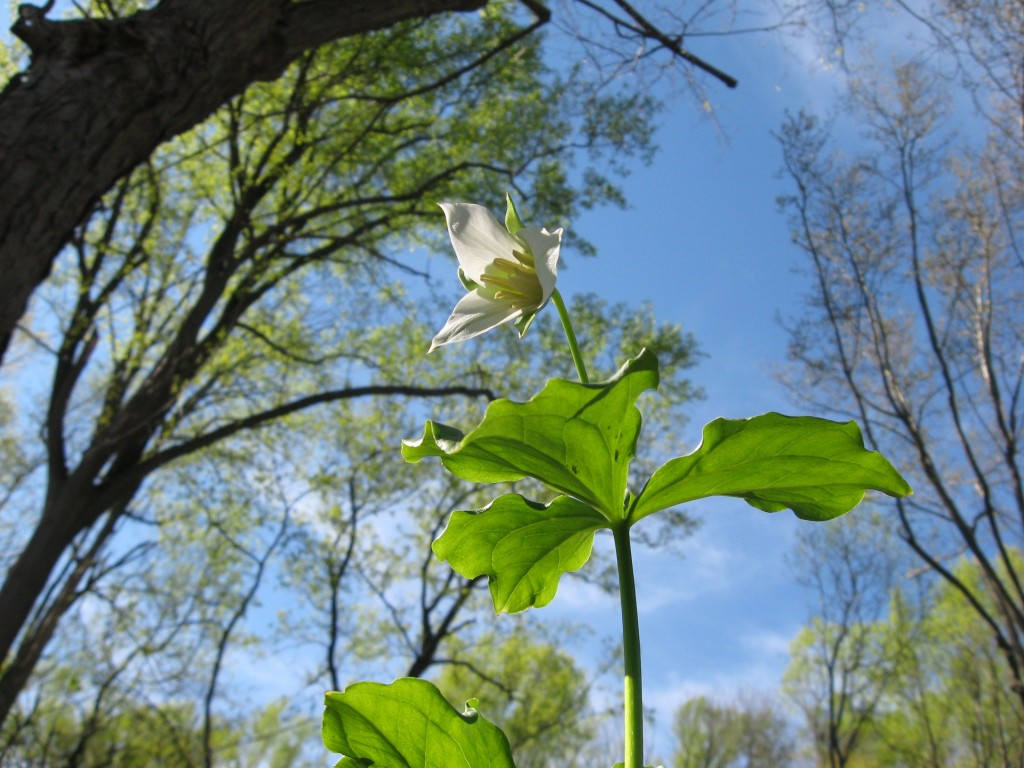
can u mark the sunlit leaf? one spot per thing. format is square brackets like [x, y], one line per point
[818, 468]
[512, 221]
[409, 724]
[576, 438]
[523, 547]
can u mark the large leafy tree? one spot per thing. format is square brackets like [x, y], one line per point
[751, 733]
[843, 663]
[230, 281]
[105, 90]
[222, 195]
[122, 85]
[173, 604]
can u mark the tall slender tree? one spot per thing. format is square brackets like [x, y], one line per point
[914, 322]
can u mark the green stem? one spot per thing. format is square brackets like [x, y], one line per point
[630, 649]
[574, 347]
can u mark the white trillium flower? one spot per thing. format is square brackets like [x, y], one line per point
[511, 275]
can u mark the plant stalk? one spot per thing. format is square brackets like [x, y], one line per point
[574, 347]
[634, 708]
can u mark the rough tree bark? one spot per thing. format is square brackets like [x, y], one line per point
[101, 95]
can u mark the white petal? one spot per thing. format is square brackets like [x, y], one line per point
[545, 247]
[473, 315]
[478, 237]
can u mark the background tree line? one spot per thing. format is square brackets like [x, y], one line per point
[908, 209]
[893, 670]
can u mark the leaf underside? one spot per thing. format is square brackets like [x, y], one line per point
[815, 467]
[577, 439]
[523, 547]
[409, 724]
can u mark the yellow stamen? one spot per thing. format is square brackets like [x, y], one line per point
[514, 281]
[503, 283]
[511, 266]
[525, 258]
[518, 301]
[521, 288]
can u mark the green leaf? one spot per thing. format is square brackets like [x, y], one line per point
[521, 546]
[512, 221]
[818, 468]
[523, 322]
[468, 284]
[409, 724]
[575, 438]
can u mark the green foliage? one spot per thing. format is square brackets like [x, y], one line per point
[921, 686]
[818, 467]
[707, 734]
[534, 690]
[711, 735]
[577, 439]
[522, 547]
[815, 467]
[409, 723]
[168, 733]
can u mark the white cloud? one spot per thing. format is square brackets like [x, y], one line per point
[704, 571]
[736, 551]
[753, 674]
[769, 642]
[577, 595]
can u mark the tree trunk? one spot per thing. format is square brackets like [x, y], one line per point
[20, 665]
[27, 579]
[101, 95]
